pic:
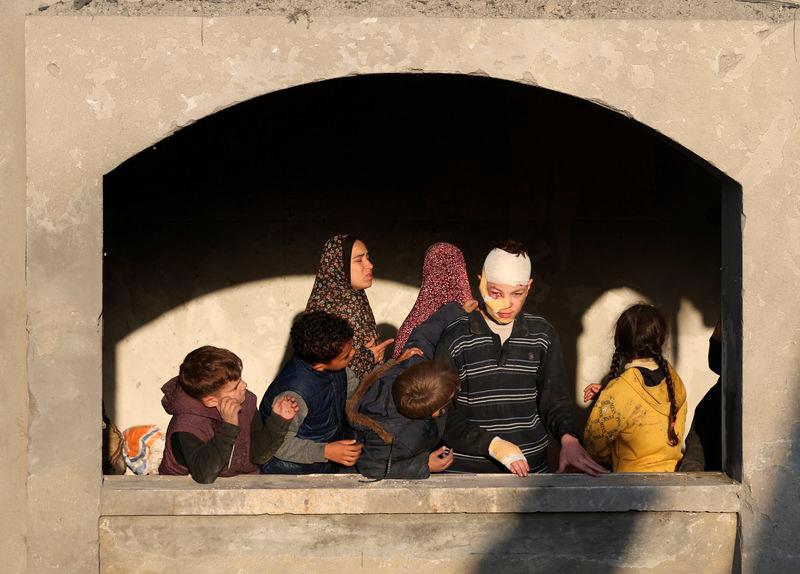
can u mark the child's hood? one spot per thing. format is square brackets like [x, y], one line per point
[176, 402]
[657, 396]
[376, 409]
[377, 400]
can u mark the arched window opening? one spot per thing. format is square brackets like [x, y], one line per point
[212, 236]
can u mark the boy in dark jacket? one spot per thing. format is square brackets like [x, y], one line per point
[401, 415]
[215, 429]
[317, 378]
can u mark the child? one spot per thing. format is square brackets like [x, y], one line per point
[318, 379]
[513, 381]
[638, 420]
[215, 429]
[400, 412]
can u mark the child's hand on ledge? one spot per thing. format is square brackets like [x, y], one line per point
[520, 468]
[285, 407]
[572, 456]
[509, 455]
[229, 410]
[345, 452]
[590, 392]
[440, 459]
[408, 353]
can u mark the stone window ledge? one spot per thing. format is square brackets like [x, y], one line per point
[471, 494]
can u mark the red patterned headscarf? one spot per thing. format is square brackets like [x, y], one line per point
[444, 279]
[333, 293]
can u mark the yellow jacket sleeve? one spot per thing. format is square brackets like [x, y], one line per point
[604, 425]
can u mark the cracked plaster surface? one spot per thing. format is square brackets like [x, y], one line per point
[306, 11]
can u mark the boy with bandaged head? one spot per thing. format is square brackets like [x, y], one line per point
[513, 381]
[400, 412]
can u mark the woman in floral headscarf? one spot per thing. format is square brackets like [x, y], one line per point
[345, 271]
[444, 279]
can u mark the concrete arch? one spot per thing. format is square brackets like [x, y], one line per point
[628, 80]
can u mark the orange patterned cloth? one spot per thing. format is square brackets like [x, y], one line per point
[143, 448]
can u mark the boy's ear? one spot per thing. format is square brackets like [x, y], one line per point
[530, 283]
[319, 367]
[210, 401]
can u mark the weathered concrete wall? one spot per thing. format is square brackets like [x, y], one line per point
[441, 494]
[13, 337]
[306, 10]
[459, 523]
[101, 90]
[629, 542]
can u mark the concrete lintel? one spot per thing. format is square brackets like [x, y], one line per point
[346, 494]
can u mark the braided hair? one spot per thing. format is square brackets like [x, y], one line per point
[613, 370]
[640, 334]
[672, 436]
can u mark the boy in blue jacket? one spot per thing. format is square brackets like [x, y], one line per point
[318, 379]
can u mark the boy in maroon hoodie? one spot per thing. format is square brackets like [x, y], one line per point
[216, 429]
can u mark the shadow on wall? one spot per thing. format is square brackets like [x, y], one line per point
[775, 545]
[252, 192]
[289, 350]
[600, 542]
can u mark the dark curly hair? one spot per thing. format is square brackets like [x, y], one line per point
[511, 246]
[207, 369]
[318, 337]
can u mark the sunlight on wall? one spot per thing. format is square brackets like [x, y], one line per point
[596, 345]
[692, 364]
[252, 320]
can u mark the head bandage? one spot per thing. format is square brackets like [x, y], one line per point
[503, 268]
[506, 268]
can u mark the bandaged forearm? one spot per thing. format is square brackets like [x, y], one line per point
[504, 452]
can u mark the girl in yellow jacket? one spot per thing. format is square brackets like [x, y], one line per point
[638, 420]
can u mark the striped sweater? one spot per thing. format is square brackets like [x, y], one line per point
[517, 390]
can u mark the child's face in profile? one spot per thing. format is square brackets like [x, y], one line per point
[342, 360]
